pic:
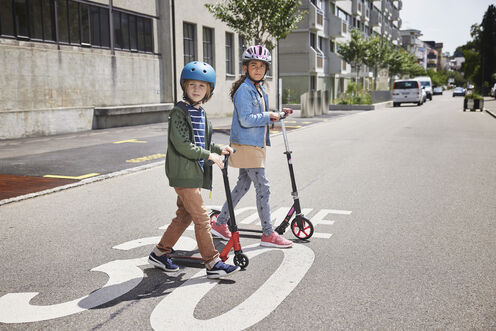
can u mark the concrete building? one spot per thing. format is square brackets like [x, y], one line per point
[410, 41]
[74, 65]
[308, 56]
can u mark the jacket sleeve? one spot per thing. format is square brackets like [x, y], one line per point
[180, 138]
[245, 106]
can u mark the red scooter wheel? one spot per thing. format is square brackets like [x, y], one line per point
[241, 260]
[306, 230]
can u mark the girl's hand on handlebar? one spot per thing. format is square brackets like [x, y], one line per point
[227, 150]
[274, 116]
[217, 159]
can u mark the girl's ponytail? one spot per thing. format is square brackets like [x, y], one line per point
[236, 85]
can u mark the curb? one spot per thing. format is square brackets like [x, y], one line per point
[491, 112]
[82, 182]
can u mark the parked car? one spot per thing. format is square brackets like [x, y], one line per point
[438, 90]
[493, 91]
[426, 82]
[459, 91]
[408, 91]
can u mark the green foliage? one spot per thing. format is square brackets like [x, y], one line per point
[260, 21]
[474, 96]
[459, 79]
[438, 78]
[378, 52]
[354, 96]
[355, 51]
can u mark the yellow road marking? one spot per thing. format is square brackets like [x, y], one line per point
[130, 141]
[146, 158]
[306, 122]
[93, 174]
[293, 126]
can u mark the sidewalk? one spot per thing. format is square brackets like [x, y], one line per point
[490, 106]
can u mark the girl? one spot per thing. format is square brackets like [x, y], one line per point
[189, 145]
[250, 137]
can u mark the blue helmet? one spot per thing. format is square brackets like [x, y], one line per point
[198, 71]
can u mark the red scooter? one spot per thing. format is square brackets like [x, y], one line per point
[240, 259]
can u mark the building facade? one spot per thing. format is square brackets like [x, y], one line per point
[309, 57]
[62, 59]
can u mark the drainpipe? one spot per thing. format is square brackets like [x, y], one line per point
[174, 70]
[111, 26]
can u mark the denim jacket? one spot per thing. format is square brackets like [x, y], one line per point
[249, 119]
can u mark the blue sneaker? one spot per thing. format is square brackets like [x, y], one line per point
[163, 262]
[222, 269]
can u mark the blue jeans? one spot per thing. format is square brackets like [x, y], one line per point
[262, 190]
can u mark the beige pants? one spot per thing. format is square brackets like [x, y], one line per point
[191, 209]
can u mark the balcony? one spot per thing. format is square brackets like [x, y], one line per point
[336, 66]
[316, 61]
[337, 27]
[375, 19]
[396, 14]
[315, 18]
[357, 7]
[366, 14]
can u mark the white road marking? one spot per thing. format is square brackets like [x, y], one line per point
[124, 275]
[137, 243]
[174, 311]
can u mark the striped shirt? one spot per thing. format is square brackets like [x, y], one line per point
[198, 121]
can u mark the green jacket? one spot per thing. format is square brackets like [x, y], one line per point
[181, 160]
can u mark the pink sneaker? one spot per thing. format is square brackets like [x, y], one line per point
[221, 231]
[275, 240]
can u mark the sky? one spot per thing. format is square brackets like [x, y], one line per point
[446, 21]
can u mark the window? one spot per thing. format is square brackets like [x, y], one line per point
[74, 34]
[36, 23]
[321, 43]
[189, 42]
[241, 48]
[312, 40]
[62, 21]
[78, 23]
[229, 54]
[6, 18]
[208, 46]
[21, 18]
[332, 46]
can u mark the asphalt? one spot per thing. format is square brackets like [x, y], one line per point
[15, 185]
[490, 106]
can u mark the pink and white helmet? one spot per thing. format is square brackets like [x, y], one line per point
[257, 52]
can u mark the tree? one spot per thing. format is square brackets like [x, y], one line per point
[261, 21]
[487, 49]
[354, 52]
[379, 51]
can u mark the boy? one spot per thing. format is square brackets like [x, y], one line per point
[189, 144]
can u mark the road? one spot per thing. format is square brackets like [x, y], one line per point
[403, 205]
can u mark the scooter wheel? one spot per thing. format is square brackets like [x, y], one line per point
[241, 260]
[305, 232]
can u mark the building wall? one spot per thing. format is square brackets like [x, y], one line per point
[220, 104]
[66, 82]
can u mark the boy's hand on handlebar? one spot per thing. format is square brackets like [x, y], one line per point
[217, 159]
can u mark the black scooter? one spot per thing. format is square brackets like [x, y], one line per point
[301, 226]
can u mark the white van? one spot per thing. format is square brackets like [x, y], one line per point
[426, 82]
[407, 91]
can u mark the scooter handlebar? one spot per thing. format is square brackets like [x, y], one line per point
[284, 113]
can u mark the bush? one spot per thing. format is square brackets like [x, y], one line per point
[474, 96]
[354, 97]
